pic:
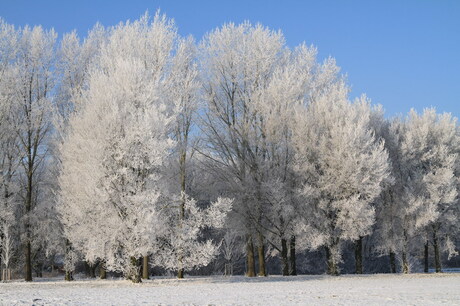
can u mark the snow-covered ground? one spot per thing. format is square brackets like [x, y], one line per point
[413, 289]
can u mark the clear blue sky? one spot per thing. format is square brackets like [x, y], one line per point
[402, 54]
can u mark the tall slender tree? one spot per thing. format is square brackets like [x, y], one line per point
[34, 83]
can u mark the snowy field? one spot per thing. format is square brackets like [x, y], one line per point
[414, 289]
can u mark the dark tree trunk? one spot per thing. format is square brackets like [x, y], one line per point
[180, 272]
[135, 271]
[28, 249]
[426, 258]
[68, 276]
[250, 261]
[38, 269]
[261, 256]
[293, 266]
[405, 263]
[90, 269]
[331, 264]
[437, 257]
[392, 262]
[145, 267]
[359, 256]
[182, 160]
[102, 271]
[284, 257]
[28, 262]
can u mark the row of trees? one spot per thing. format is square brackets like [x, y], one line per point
[136, 146]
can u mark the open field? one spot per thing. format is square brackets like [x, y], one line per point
[412, 289]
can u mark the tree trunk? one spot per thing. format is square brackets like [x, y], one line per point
[331, 264]
[39, 269]
[359, 256]
[135, 270]
[28, 250]
[405, 263]
[437, 257]
[68, 276]
[251, 263]
[145, 267]
[182, 159]
[102, 271]
[426, 258]
[28, 262]
[284, 257]
[90, 270]
[261, 256]
[392, 262]
[293, 266]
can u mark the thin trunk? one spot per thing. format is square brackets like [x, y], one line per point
[251, 263]
[405, 263]
[183, 156]
[426, 258]
[331, 264]
[437, 257]
[359, 256]
[68, 276]
[392, 262]
[28, 248]
[261, 255]
[293, 266]
[145, 267]
[102, 271]
[284, 257]
[39, 269]
[28, 263]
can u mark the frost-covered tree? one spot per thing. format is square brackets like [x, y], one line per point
[238, 63]
[74, 62]
[343, 168]
[31, 80]
[388, 231]
[9, 156]
[120, 143]
[115, 203]
[297, 80]
[429, 152]
[183, 87]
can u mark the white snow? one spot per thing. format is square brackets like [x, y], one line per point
[412, 289]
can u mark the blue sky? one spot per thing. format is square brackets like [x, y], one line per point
[402, 54]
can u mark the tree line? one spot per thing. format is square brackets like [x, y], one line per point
[135, 147]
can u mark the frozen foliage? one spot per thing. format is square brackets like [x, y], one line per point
[181, 246]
